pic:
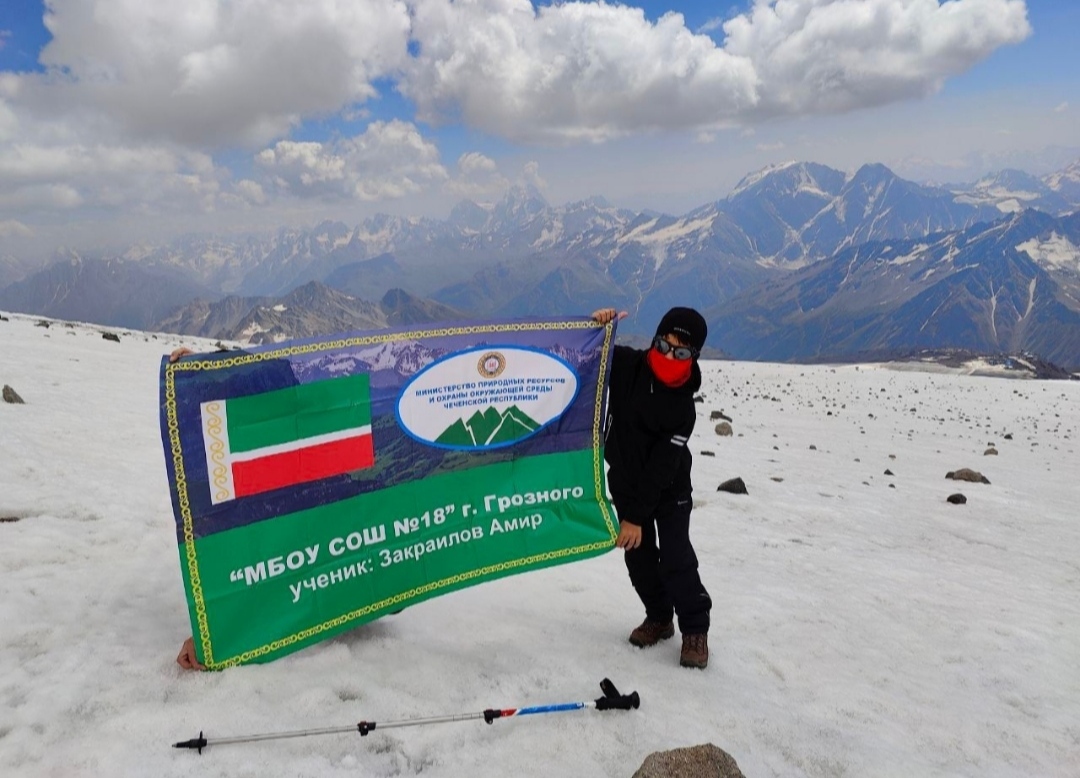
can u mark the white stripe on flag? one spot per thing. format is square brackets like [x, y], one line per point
[215, 429]
[316, 440]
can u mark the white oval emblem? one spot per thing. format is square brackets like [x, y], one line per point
[486, 397]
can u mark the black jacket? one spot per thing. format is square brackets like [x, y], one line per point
[648, 427]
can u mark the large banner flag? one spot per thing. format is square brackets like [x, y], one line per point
[323, 483]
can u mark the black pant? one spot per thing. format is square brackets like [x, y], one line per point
[666, 578]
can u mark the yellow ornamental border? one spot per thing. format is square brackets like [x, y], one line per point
[184, 503]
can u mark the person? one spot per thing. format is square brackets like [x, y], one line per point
[187, 658]
[651, 413]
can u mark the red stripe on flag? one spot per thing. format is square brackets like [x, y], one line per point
[303, 465]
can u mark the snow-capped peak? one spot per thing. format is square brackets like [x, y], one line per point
[754, 178]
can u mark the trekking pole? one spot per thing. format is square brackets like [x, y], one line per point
[611, 700]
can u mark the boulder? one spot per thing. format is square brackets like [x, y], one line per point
[990, 452]
[956, 499]
[723, 429]
[733, 485]
[704, 761]
[966, 474]
[111, 336]
[708, 453]
[889, 472]
[719, 415]
[11, 396]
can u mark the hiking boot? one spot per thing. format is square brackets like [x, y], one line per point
[649, 633]
[695, 651]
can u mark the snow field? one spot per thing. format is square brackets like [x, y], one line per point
[858, 629]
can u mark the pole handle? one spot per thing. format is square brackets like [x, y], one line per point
[612, 700]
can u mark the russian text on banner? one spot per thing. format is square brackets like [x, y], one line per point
[320, 484]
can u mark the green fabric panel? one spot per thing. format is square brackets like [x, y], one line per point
[304, 411]
[262, 619]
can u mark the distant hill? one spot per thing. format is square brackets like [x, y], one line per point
[113, 292]
[313, 309]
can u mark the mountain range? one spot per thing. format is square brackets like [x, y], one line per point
[1010, 285]
[779, 239]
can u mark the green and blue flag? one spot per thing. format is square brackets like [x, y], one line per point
[319, 484]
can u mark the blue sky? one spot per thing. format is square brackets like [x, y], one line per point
[141, 120]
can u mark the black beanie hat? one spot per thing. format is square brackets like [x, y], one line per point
[687, 323]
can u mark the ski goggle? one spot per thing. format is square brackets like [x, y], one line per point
[680, 352]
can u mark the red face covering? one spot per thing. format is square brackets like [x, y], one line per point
[671, 372]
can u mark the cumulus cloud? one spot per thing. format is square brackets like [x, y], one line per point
[137, 96]
[209, 72]
[389, 160]
[10, 228]
[591, 71]
[251, 191]
[53, 166]
[50, 197]
[824, 56]
[530, 175]
[477, 177]
[572, 71]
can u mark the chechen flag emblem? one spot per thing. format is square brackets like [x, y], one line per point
[287, 437]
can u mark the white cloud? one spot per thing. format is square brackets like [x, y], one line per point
[530, 174]
[50, 197]
[823, 56]
[139, 96]
[5, 36]
[573, 71]
[8, 121]
[389, 160]
[251, 191]
[56, 166]
[711, 25]
[591, 71]
[474, 162]
[209, 72]
[10, 228]
[477, 177]
[1062, 108]
[777, 146]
